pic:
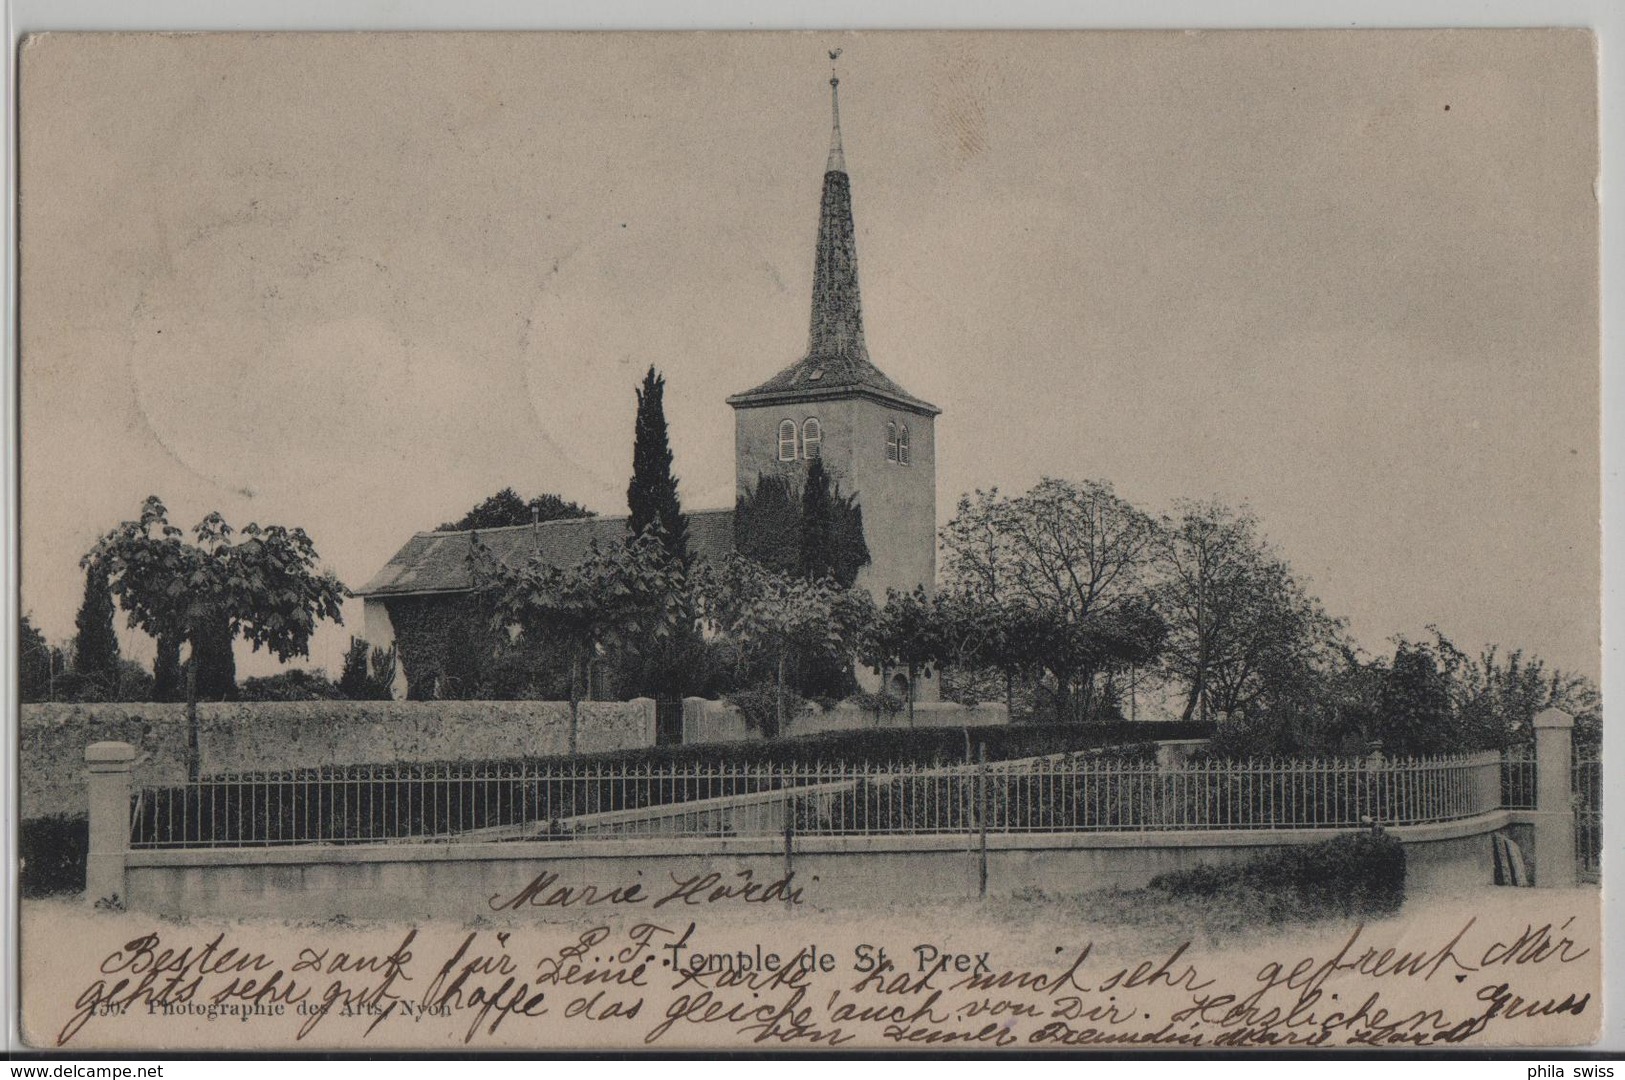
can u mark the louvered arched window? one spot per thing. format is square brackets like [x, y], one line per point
[902, 445]
[787, 440]
[891, 440]
[812, 437]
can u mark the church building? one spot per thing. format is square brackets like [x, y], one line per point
[875, 439]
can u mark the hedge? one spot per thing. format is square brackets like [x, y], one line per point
[1354, 874]
[52, 851]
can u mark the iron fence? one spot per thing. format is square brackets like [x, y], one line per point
[1057, 793]
[1106, 794]
[1518, 779]
[1587, 781]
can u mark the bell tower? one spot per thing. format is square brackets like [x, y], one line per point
[876, 439]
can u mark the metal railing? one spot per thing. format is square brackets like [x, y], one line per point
[1518, 779]
[1058, 793]
[1587, 787]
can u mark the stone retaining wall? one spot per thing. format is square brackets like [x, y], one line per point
[275, 735]
[706, 721]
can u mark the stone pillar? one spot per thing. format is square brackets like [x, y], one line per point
[648, 727]
[1173, 753]
[1554, 799]
[1486, 782]
[694, 720]
[109, 764]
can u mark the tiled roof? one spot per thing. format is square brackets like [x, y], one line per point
[817, 376]
[433, 562]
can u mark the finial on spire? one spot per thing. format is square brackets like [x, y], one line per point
[837, 158]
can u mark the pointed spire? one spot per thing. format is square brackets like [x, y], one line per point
[837, 158]
[837, 360]
[837, 316]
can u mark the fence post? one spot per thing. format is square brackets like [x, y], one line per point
[648, 720]
[109, 764]
[981, 812]
[1486, 789]
[1554, 806]
[694, 730]
[789, 856]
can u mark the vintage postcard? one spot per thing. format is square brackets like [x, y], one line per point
[884, 541]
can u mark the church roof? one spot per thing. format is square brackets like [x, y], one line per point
[437, 562]
[837, 361]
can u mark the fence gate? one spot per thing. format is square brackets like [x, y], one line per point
[668, 720]
[1587, 817]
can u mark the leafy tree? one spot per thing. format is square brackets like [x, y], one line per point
[95, 647]
[770, 618]
[977, 634]
[1065, 565]
[907, 632]
[168, 684]
[774, 530]
[134, 682]
[1333, 712]
[652, 494]
[1240, 625]
[37, 663]
[507, 508]
[1414, 713]
[263, 585]
[616, 599]
[1496, 696]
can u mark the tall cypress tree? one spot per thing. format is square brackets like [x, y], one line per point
[353, 676]
[817, 524]
[652, 494]
[36, 663]
[95, 647]
[767, 524]
[832, 543]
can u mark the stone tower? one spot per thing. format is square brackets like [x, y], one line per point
[874, 437]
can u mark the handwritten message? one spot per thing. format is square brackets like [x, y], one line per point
[691, 965]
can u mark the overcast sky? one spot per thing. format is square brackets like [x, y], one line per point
[358, 283]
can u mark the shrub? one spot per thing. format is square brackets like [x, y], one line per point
[883, 705]
[52, 851]
[1352, 874]
[357, 683]
[523, 671]
[295, 684]
[759, 705]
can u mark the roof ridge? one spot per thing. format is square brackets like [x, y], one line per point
[526, 525]
[560, 521]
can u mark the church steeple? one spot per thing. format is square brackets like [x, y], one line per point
[836, 362]
[834, 409]
[837, 313]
